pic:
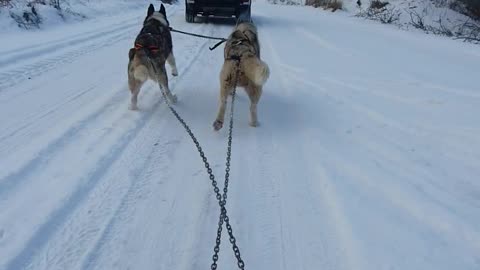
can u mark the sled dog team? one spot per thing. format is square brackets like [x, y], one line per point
[153, 48]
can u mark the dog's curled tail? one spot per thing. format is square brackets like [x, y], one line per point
[256, 70]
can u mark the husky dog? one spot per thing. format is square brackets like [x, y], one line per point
[242, 57]
[153, 47]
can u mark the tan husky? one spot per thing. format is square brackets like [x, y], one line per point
[153, 45]
[242, 51]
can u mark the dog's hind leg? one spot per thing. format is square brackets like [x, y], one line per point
[134, 86]
[226, 87]
[163, 80]
[224, 92]
[173, 65]
[254, 93]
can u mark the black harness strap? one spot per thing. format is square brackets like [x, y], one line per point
[196, 35]
[216, 45]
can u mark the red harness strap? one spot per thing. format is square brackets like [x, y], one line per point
[151, 48]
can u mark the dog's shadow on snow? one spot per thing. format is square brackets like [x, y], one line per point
[279, 113]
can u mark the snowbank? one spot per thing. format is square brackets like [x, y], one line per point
[440, 17]
[38, 14]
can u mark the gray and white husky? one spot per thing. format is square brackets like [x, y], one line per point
[153, 46]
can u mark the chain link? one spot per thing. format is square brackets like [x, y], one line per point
[223, 212]
[222, 200]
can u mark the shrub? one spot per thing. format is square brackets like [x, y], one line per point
[377, 4]
[326, 4]
[473, 6]
[378, 11]
[5, 3]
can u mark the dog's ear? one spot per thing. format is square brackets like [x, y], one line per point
[151, 10]
[163, 11]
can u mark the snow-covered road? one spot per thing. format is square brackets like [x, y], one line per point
[367, 157]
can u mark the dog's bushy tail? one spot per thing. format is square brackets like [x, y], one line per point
[256, 70]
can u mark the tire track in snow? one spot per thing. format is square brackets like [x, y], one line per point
[17, 178]
[10, 180]
[93, 33]
[58, 217]
[322, 214]
[333, 47]
[254, 206]
[374, 115]
[406, 207]
[442, 219]
[10, 78]
[30, 71]
[261, 221]
[37, 117]
[139, 181]
[17, 56]
[395, 195]
[382, 94]
[91, 259]
[322, 42]
[44, 234]
[456, 151]
[122, 214]
[203, 234]
[455, 91]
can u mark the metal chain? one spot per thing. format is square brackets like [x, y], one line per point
[222, 200]
[223, 212]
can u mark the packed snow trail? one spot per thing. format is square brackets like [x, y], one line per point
[366, 158]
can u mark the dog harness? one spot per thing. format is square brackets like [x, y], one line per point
[153, 49]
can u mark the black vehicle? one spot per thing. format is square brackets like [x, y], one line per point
[222, 8]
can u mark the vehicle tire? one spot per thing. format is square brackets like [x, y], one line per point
[189, 17]
[189, 14]
[248, 14]
[245, 15]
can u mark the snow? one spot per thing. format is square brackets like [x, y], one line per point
[71, 11]
[436, 13]
[366, 157]
[440, 17]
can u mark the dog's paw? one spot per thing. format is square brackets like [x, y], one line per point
[173, 98]
[133, 107]
[174, 72]
[217, 125]
[254, 123]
